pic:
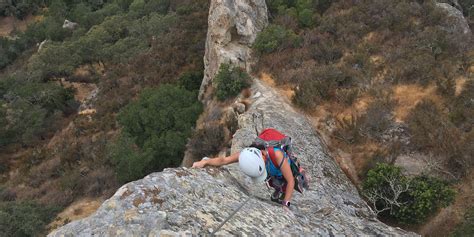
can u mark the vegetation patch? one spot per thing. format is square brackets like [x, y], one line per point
[408, 200]
[155, 130]
[230, 81]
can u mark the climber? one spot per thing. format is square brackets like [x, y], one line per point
[258, 160]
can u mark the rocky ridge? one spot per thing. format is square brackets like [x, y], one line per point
[232, 29]
[195, 201]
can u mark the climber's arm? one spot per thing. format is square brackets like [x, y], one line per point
[287, 174]
[218, 161]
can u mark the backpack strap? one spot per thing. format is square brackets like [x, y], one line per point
[271, 153]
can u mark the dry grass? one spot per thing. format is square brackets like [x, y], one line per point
[459, 86]
[408, 96]
[77, 210]
[285, 90]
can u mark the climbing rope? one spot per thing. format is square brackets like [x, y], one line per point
[230, 216]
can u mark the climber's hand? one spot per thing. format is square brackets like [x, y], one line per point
[198, 164]
[201, 163]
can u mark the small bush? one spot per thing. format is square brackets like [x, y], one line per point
[431, 130]
[25, 218]
[349, 129]
[230, 81]
[407, 200]
[191, 81]
[274, 38]
[322, 85]
[207, 141]
[378, 118]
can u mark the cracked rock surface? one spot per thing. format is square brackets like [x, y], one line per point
[184, 201]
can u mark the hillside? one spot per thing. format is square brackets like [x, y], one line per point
[99, 94]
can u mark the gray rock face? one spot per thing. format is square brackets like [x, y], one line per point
[233, 27]
[456, 27]
[195, 201]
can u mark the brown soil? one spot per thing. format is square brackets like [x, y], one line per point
[9, 24]
[444, 222]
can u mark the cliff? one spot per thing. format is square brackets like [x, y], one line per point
[185, 201]
[196, 201]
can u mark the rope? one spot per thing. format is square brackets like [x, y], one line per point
[230, 216]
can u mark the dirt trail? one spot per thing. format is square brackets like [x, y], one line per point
[444, 222]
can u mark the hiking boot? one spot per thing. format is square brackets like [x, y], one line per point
[277, 196]
[300, 183]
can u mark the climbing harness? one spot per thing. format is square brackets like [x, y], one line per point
[231, 215]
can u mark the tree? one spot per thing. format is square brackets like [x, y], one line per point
[155, 130]
[25, 218]
[409, 200]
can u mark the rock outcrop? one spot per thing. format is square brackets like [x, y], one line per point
[232, 29]
[456, 27]
[195, 201]
[186, 201]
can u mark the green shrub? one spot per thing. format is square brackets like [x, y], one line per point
[466, 228]
[30, 109]
[274, 38]
[230, 81]
[155, 130]
[191, 81]
[408, 200]
[426, 195]
[25, 218]
[130, 162]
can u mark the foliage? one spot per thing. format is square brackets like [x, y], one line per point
[191, 81]
[20, 9]
[431, 130]
[325, 83]
[274, 38]
[25, 218]
[158, 124]
[409, 200]
[207, 141]
[426, 195]
[29, 109]
[466, 228]
[230, 81]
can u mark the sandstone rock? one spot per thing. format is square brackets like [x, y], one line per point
[233, 27]
[185, 201]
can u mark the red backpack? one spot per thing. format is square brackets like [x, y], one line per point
[270, 138]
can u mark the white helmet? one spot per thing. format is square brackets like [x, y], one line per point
[252, 164]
